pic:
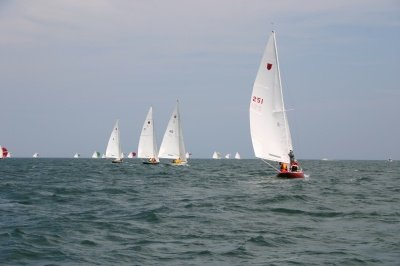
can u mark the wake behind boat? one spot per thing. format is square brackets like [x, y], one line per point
[270, 133]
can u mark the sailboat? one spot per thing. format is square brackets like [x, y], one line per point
[147, 148]
[4, 153]
[237, 155]
[172, 145]
[216, 155]
[228, 156]
[269, 126]
[114, 150]
[132, 154]
[96, 155]
[35, 155]
[77, 155]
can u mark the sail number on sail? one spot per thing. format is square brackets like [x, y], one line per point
[258, 100]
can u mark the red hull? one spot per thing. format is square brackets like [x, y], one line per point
[290, 175]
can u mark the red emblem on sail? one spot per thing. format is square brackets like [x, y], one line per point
[269, 66]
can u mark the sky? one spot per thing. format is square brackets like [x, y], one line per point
[70, 68]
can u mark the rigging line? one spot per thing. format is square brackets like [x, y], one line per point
[270, 165]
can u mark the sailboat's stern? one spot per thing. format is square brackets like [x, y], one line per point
[291, 175]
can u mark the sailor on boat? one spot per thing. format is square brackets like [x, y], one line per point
[283, 167]
[294, 164]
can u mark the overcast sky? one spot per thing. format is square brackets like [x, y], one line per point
[70, 68]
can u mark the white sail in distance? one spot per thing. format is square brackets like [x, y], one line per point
[172, 145]
[114, 145]
[147, 142]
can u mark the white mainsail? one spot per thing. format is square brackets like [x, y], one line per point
[269, 127]
[237, 155]
[114, 145]
[1, 152]
[35, 155]
[147, 142]
[172, 145]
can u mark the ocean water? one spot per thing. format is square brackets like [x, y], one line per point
[212, 212]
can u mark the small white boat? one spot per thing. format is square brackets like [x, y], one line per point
[228, 156]
[132, 155]
[147, 148]
[237, 155]
[216, 155]
[35, 155]
[96, 155]
[113, 149]
[77, 155]
[172, 145]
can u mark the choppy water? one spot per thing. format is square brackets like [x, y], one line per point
[213, 212]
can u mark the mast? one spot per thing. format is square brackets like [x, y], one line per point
[287, 130]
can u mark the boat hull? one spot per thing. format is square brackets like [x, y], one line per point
[178, 163]
[117, 161]
[291, 175]
[150, 162]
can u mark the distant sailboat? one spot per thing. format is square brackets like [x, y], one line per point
[216, 155]
[4, 153]
[269, 126]
[114, 150]
[188, 155]
[172, 145]
[35, 155]
[228, 156]
[96, 155]
[237, 155]
[77, 155]
[147, 148]
[132, 154]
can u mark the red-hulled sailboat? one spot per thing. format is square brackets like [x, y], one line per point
[269, 126]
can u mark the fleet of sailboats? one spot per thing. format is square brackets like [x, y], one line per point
[172, 145]
[147, 148]
[269, 125]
